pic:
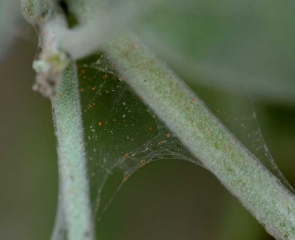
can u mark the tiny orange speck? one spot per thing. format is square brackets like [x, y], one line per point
[99, 123]
[126, 177]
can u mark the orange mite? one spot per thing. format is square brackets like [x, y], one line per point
[126, 177]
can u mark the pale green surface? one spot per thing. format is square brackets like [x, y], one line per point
[206, 138]
[71, 153]
[68, 126]
[32, 10]
[260, 192]
[233, 45]
[90, 10]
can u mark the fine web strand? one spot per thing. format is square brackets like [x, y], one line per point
[122, 134]
[238, 114]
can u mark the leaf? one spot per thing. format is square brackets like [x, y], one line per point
[229, 45]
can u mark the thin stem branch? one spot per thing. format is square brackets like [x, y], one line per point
[57, 78]
[72, 160]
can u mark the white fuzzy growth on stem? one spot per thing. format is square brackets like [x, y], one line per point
[71, 149]
[102, 27]
[75, 204]
[72, 159]
[205, 136]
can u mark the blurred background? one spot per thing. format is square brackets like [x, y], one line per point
[226, 51]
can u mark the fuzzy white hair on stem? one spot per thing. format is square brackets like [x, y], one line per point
[57, 79]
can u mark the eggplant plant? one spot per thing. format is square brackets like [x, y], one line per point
[91, 51]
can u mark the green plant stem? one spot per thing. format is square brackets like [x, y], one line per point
[202, 133]
[185, 114]
[71, 150]
[75, 206]
[60, 229]
[205, 136]
[72, 160]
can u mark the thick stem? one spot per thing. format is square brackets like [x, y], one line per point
[202, 133]
[205, 136]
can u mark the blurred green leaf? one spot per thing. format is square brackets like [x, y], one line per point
[229, 45]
